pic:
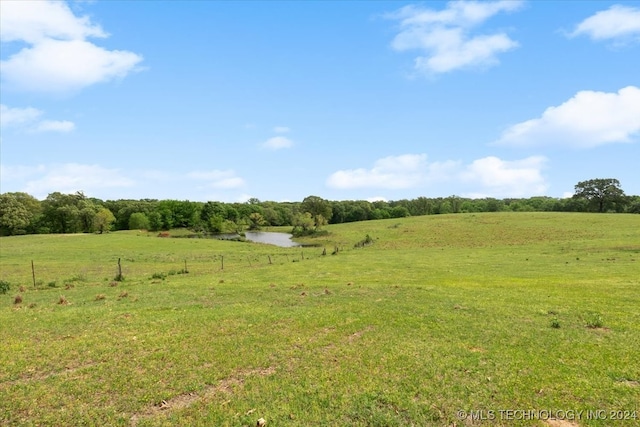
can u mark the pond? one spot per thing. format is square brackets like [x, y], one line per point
[272, 238]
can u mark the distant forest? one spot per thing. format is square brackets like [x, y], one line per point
[21, 213]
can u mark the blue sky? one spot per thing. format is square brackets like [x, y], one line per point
[343, 100]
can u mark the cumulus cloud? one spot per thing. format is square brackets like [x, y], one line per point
[27, 119]
[58, 57]
[447, 38]
[485, 177]
[618, 23]
[67, 178]
[55, 126]
[17, 116]
[587, 120]
[277, 143]
[223, 180]
[500, 178]
[393, 172]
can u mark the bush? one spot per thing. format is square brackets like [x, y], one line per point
[4, 287]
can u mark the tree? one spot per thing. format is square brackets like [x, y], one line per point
[14, 216]
[256, 221]
[602, 194]
[138, 221]
[103, 219]
[319, 208]
[302, 224]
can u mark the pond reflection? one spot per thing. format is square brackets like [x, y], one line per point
[272, 238]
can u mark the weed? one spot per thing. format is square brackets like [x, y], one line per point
[364, 242]
[18, 299]
[100, 297]
[160, 276]
[172, 272]
[113, 284]
[62, 300]
[80, 277]
[32, 305]
[4, 286]
[555, 323]
[22, 288]
[594, 321]
[69, 286]
[123, 295]
[52, 284]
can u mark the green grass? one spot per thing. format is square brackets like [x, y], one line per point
[440, 314]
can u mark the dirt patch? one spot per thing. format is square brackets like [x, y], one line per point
[630, 383]
[356, 335]
[224, 386]
[69, 370]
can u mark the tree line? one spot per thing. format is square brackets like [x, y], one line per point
[21, 213]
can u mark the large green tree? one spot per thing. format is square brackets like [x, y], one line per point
[319, 208]
[103, 220]
[601, 194]
[14, 216]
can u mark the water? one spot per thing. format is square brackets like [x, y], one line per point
[269, 237]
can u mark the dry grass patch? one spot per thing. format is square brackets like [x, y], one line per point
[225, 386]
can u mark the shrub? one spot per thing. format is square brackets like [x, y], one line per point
[4, 287]
[160, 276]
[52, 284]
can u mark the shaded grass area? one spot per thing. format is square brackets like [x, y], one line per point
[440, 314]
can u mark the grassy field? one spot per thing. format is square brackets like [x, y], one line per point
[452, 320]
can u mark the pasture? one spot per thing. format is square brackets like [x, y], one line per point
[448, 320]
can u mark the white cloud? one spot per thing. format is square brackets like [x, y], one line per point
[18, 173]
[72, 177]
[26, 119]
[587, 120]
[55, 126]
[223, 180]
[277, 143]
[33, 21]
[501, 178]
[17, 116]
[105, 182]
[489, 176]
[393, 172]
[281, 129]
[620, 23]
[58, 57]
[446, 38]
